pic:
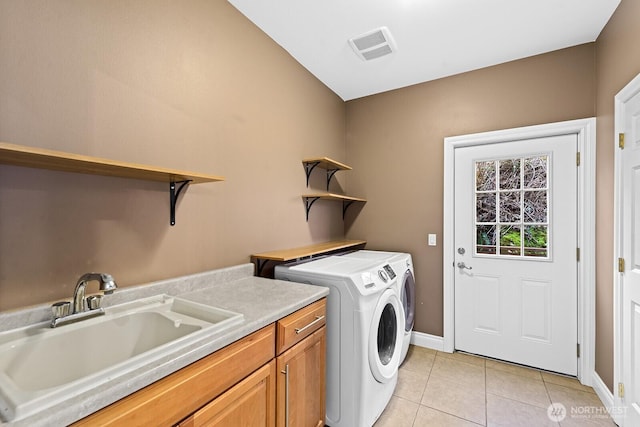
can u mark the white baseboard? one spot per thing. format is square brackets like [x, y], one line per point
[607, 398]
[602, 390]
[428, 341]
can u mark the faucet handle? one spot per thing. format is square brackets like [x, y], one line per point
[94, 301]
[61, 309]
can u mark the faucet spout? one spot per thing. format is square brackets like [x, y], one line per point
[106, 283]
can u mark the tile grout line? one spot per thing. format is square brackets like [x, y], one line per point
[424, 389]
[546, 389]
[486, 400]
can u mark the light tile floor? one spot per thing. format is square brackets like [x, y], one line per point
[444, 389]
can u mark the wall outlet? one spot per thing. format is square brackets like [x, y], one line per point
[432, 239]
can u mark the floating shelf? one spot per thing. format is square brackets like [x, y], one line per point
[331, 166]
[18, 155]
[310, 199]
[303, 252]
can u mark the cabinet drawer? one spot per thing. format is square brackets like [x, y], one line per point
[299, 325]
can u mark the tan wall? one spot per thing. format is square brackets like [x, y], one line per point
[194, 85]
[617, 63]
[395, 145]
[189, 85]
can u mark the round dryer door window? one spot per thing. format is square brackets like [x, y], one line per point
[385, 337]
[409, 300]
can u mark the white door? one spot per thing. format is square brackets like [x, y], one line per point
[516, 242]
[629, 239]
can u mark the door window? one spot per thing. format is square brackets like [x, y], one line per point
[512, 203]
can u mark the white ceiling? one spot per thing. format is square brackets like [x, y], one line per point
[434, 38]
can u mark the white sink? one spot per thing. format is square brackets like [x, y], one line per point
[41, 366]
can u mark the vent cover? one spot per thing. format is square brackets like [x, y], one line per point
[373, 44]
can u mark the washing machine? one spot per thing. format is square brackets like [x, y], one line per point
[402, 271]
[364, 335]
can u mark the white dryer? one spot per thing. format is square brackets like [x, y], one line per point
[364, 335]
[401, 271]
[402, 264]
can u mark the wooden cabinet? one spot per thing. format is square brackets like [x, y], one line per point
[240, 384]
[248, 404]
[301, 383]
[301, 366]
[171, 399]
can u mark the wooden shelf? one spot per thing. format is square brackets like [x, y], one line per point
[327, 163]
[333, 196]
[18, 155]
[331, 166]
[307, 251]
[310, 199]
[285, 255]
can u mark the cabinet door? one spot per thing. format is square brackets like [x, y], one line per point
[249, 403]
[180, 394]
[301, 383]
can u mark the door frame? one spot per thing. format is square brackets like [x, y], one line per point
[585, 129]
[629, 91]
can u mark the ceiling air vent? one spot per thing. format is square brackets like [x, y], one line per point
[373, 44]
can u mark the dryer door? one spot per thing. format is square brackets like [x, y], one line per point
[385, 337]
[409, 300]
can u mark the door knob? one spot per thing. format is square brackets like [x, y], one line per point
[463, 265]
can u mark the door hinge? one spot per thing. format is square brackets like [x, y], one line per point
[577, 254]
[620, 390]
[621, 140]
[578, 349]
[620, 265]
[578, 158]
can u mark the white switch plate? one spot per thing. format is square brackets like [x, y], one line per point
[432, 239]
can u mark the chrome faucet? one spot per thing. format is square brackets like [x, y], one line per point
[107, 286]
[65, 312]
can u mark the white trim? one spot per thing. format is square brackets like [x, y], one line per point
[427, 341]
[585, 129]
[606, 397]
[628, 92]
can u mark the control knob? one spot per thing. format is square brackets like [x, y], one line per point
[383, 276]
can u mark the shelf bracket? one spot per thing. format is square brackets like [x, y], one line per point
[345, 206]
[308, 167]
[309, 204]
[260, 264]
[173, 197]
[330, 174]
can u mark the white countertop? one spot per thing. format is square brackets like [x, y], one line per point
[261, 301]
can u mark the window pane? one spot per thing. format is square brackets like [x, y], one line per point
[486, 207]
[535, 172]
[486, 239]
[535, 240]
[535, 206]
[510, 240]
[485, 176]
[510, 174]
[510, 206]
[514, 194]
